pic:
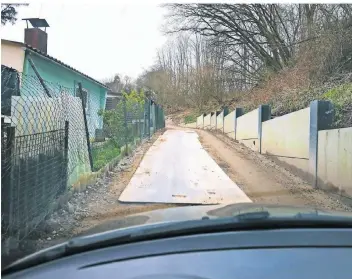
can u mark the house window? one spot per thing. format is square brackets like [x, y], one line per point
[85, 97]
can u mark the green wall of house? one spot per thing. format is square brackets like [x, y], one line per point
[68, 80]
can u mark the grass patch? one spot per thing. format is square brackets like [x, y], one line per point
[340, 94]
[341, 97]
[104, 153]
[190, 118]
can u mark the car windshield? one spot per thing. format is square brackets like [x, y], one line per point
[116, 115]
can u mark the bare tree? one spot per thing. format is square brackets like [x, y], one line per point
[114, 83]
[215, 50]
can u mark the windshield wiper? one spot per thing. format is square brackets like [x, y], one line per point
[258, 220]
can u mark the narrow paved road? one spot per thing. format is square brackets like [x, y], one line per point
[177, 169]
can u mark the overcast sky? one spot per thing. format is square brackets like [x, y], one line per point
[98, 39]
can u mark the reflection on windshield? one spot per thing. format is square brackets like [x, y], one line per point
[192, 110]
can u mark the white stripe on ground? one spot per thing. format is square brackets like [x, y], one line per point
[176, 169]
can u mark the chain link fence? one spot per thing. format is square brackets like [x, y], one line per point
[34, 151]
[133, 119]
[48, 143]
[43, 151]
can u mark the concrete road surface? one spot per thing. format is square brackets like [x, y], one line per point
[177, 169]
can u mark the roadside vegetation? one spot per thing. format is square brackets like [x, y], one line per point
[189, 118]
[238, 55]
[104, 153]
[341, 97]
[118, 122]
[118, 128]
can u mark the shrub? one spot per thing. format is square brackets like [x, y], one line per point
[104, 153]
[115, 125]
[341, 97]
[190, 118]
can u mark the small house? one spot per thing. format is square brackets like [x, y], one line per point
[32, 59]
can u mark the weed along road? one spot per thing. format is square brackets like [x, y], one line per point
[177, 169]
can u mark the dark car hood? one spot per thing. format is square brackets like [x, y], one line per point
[165, 221]
[207, 211]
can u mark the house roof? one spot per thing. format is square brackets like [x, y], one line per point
[114, 94]
[55, 60]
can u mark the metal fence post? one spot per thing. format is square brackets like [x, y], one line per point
[157, 116]
[264, 114]
[149, 117]
[6, 177]
[86, 126]
[65, 169]
[39, 77]
[125, 123]
[321, 118]
[140, 124]
[152, 118]
[225, 112]
[238, 112]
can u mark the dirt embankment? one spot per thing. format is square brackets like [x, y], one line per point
[263, 180]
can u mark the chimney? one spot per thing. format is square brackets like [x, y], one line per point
[36, 37]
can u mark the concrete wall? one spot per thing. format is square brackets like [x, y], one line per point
[12, 55]
[287, 138]
[200, 120]
[323, 157]
[219, 121]
[251, 143]
[247, 125]
[247, 129]
[207, 121]
[335, 160]
[229, 125]
[213, 121]
[287, 135]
